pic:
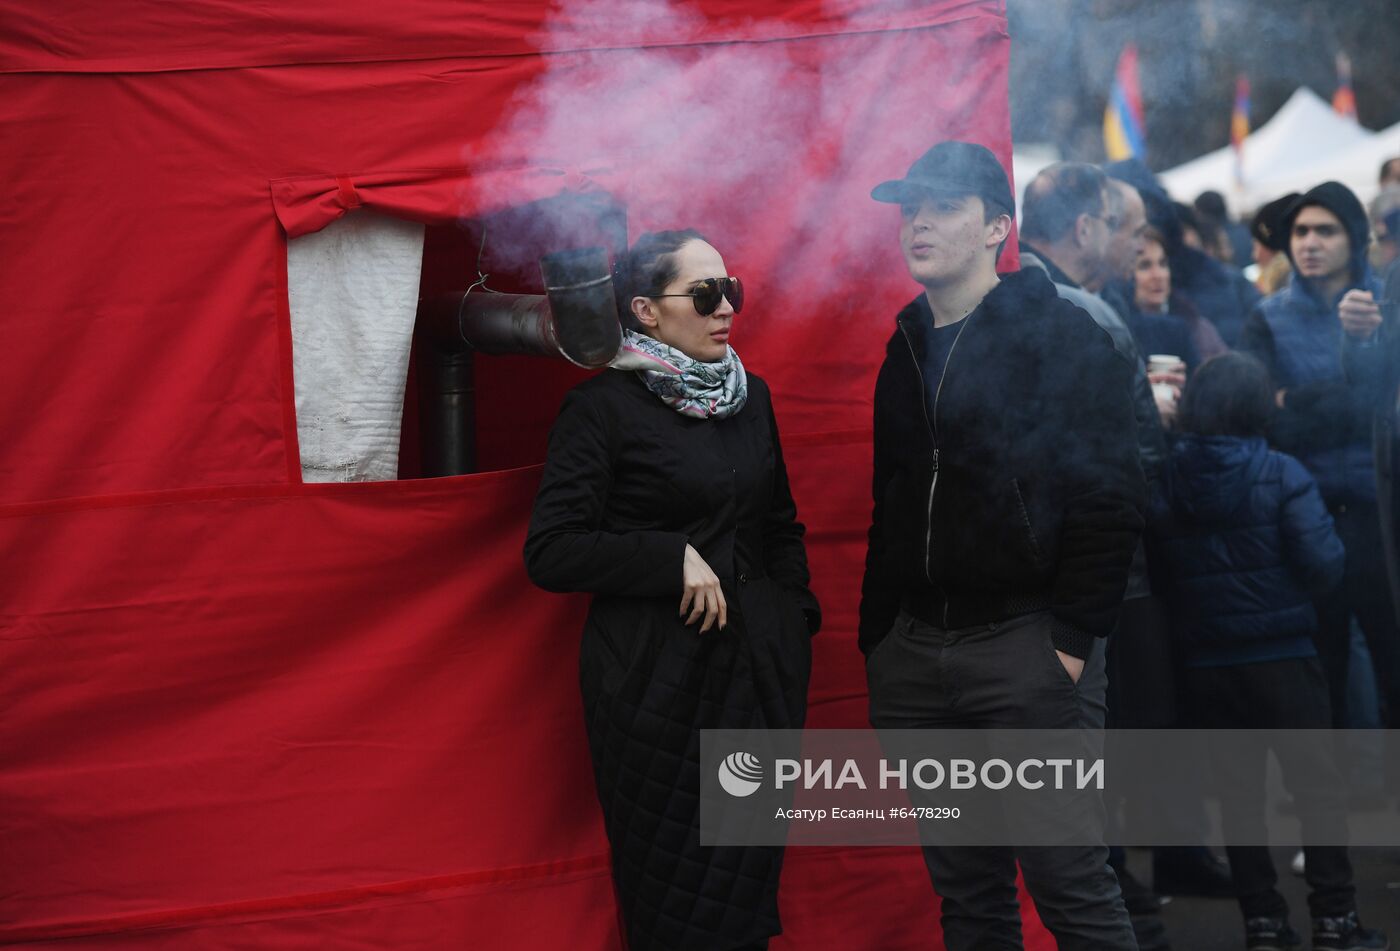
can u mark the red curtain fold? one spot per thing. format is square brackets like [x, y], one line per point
[432, 196]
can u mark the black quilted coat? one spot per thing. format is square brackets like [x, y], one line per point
[628, 483]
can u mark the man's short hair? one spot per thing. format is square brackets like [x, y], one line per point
[992, 211]
[1385, 168]
[1115, 199]
[1058, 196]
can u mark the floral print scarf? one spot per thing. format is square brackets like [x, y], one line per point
[688, 386]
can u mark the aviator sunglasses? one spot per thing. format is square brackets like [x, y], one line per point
[708, 292]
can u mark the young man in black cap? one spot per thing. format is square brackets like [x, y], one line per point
[1008, 500]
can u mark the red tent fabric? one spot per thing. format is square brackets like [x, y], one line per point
[241, 711]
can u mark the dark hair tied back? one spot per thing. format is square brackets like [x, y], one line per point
[648, 266]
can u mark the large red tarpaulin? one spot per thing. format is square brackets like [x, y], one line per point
[240, 711]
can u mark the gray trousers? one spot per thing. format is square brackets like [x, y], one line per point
[1004, 675]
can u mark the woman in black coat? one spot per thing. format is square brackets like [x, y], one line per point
[664, 495]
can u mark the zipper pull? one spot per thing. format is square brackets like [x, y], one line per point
[935, 460]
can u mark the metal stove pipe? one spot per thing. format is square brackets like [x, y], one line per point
[576, 319]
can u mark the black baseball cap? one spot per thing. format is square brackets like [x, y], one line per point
[951, 168]
[1270, 224]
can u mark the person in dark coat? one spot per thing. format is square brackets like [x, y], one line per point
[1243, 541]
[1377, 369]
[1008, 502]
[664, 495]
[1303, 335]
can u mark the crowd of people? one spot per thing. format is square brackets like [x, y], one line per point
[1270, 534]
[1141, 481]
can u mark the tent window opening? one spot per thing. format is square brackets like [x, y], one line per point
[430, 350]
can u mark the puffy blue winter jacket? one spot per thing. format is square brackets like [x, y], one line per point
[1243, 543]
[1326, 422]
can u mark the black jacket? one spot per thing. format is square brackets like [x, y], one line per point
[630, 482]
[627, 484]
[1377, 368]
[1151, 435]
[1021, 485]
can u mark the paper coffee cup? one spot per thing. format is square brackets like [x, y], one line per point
[1161, 362]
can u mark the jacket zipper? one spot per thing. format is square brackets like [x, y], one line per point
[932, 423]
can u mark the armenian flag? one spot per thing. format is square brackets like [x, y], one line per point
[1124, 132]
[1344, 100]
[1239, 125]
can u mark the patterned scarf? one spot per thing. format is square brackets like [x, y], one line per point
[688, 386]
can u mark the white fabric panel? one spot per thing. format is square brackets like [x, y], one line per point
[353, 291]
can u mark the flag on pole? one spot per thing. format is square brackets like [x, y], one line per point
[1124, 132]
[1239, 125]
[1344, 100]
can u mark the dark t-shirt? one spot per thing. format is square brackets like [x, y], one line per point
[938, 343]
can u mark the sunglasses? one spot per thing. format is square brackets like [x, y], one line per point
[708, 292]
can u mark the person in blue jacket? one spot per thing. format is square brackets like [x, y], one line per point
[1305, 335]
[1244, 543]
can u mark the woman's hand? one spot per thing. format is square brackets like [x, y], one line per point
[702, 592]
[1173, 376]
[1167, 382]
[1166, 396]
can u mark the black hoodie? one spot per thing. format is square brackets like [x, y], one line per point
[1338, 199]
[1019, 483]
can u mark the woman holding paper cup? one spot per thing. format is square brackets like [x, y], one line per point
[1168, 329]
[1167, 372]
[1164, 322]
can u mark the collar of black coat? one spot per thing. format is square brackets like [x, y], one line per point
[1016, 297]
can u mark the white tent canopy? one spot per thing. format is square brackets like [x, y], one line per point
[1305, 134]
[1358, 168]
